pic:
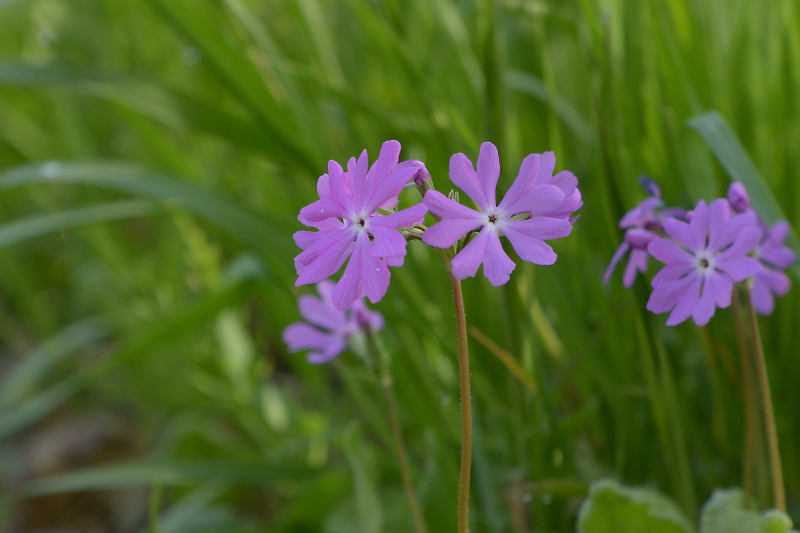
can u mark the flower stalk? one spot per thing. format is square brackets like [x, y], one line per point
[762, 378]
[466, 407]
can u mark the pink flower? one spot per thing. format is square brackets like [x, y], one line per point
[774, 258]
[536, 207]
[708, 254]
[349, 226]
[328, 328]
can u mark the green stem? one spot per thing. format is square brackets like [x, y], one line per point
[749, 401]
[466, 407]
[402, 460]
[768, 411]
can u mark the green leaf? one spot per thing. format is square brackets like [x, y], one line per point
[725, 512]
[28, 228]
[734, 159]
[246, 226]
[612, 508]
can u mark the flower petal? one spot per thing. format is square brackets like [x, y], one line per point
[403, 218]
[671, 273]
[740, 268]
[698, 224]
[324, 258]
[388, 242]
[720, 214]
[441, 205]
[318, 313]
[617, 257]
[334, 348]
[365, 275]
[466, 262]
[538, 199]
[722, 287]
[497, 266]
[681, 232]
[302, 336]
[688, 301]
[463, 175]
[704, 309]
[666, 251]
[763, 301]
[488, 171]
[745, 242]
[527, 244]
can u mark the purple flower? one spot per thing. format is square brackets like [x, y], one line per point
[536, 207]
[643, 221]
[328, 328]
[349, 225]
[707, 255]
[774, 258]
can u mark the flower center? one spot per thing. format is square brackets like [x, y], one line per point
[361, 221]
[703, 262]
[492, 219]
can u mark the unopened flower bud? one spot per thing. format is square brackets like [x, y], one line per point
[737, 196]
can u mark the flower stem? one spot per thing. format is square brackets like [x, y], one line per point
[402, 459]
[769, 413]
[748, 399]
[466, 407]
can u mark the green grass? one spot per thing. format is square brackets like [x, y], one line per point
[154, 156]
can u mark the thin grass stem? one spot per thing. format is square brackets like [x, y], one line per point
[762, 378]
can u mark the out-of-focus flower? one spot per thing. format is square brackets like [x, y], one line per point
[707, 255]
[350, 226]
[536, 207]
[644, 223]
[328, 328]
[774, 258]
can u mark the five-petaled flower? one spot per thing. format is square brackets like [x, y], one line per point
[708, 254]
[328, 328]
[536, 207]
[349, 225]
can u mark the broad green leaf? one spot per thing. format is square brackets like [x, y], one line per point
[725, 512]
[246, 226]
[28, 228]
[612, 508]
[734, 159]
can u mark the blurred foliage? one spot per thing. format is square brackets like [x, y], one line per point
[153, 158]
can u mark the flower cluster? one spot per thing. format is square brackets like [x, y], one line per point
[354, 220]
[705, 251]
[328, 328]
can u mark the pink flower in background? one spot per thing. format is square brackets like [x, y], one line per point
[708, 254]
[328, 328]
[536, 207]
[349, 225]
[774, 258]
[644, 223]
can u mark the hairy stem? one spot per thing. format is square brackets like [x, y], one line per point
[466, 407]
[769, 414]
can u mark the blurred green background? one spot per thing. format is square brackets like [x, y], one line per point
[153, 158]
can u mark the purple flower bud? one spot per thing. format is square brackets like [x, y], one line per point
[737, 196]
[650, 186]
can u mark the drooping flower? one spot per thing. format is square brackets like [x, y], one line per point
[644, 223]
[708, 254]
[536, 207]
[774, 258]
[328, 328]
[350, 225]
